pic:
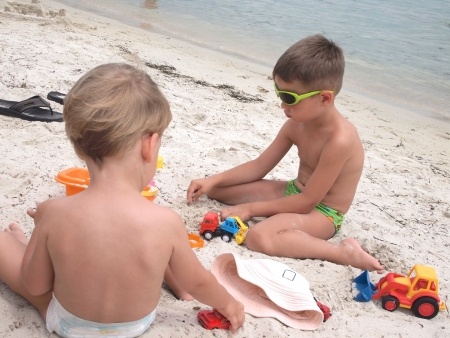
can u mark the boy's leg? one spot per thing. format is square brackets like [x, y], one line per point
[261, 190]
[305, 236]
[13, 243]
[176, 288]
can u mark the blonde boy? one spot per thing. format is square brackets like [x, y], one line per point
[302, 214]
[96, 260]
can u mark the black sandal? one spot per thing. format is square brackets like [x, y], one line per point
[56, 96]
[33, 109]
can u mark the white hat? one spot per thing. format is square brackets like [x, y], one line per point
[268, 288]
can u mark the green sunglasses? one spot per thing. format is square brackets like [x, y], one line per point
[291, 98]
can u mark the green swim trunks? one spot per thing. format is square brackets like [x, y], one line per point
[333, 215]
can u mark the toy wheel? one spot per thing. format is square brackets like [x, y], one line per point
[208, 235]
[389, 303]
[226, 238]
[425, 307]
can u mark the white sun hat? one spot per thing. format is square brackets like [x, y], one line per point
[268, 288]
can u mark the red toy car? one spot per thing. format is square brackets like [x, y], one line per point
[325, 309]
[213, 319]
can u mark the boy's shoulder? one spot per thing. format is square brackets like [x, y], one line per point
[158, 216]
[348, 129]
[169, 215]
[46, 207]
[345, 135]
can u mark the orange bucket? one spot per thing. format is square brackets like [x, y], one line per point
[77, 180]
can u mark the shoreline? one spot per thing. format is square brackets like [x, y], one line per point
[400, 213]
[355, 69]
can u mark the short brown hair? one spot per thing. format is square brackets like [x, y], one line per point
[110, 108]
[315, 61]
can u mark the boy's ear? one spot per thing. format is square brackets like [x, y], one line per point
[149, 146]
[327, 96]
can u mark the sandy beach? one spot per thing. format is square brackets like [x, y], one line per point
[224, 112]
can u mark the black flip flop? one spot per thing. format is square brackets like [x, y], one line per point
[56, 96]
[33, 109]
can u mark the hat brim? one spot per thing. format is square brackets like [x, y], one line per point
[261, 298]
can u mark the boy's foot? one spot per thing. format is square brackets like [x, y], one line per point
[183, 295]
[179, 293]
[358, 258]
[17, 232]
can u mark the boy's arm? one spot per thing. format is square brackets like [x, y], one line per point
[250, 171]
[330, 165]
[199, 282]
[37, 267]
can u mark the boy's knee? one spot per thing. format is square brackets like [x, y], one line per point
[215, 194]
[256, 240]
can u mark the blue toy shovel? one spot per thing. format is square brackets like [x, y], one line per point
[365, 287]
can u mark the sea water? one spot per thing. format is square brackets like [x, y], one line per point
[397, 51]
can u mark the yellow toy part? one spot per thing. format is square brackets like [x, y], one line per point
[160, 162]
[150, 192]
[242, 232]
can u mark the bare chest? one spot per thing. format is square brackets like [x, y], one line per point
[309, 148]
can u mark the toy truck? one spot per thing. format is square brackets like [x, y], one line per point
[229, 228]
[418, 291]
[213, 319]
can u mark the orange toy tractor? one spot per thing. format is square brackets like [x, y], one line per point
[418, 291]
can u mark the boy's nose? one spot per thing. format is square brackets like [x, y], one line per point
[283, 105]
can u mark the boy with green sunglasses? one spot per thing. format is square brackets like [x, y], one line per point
[303, 213]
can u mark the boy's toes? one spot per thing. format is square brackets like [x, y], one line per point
[31, 212]
[11, 227]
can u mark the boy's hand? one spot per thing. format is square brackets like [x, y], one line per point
[241, 210]
[197, 188]
[234, 312]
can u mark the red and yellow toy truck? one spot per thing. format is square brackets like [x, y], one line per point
[418, 291]
[229, 228]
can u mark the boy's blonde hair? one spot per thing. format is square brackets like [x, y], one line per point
[316, 62]
[110, 108]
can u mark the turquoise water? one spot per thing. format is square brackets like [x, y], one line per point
[396, 51]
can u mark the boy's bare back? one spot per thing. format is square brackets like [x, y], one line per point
[120, 243]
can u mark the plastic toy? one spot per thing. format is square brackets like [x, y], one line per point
[150, 191]
[325, 310]
[242, 232]
[365, 287]
[77, 180]
[418, 291]
[212, 319]
[160, 162]
[231, 227]
[195, 241]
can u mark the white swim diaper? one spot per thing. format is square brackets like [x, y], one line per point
[62, 322]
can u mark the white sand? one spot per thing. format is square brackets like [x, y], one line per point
[400, 214]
